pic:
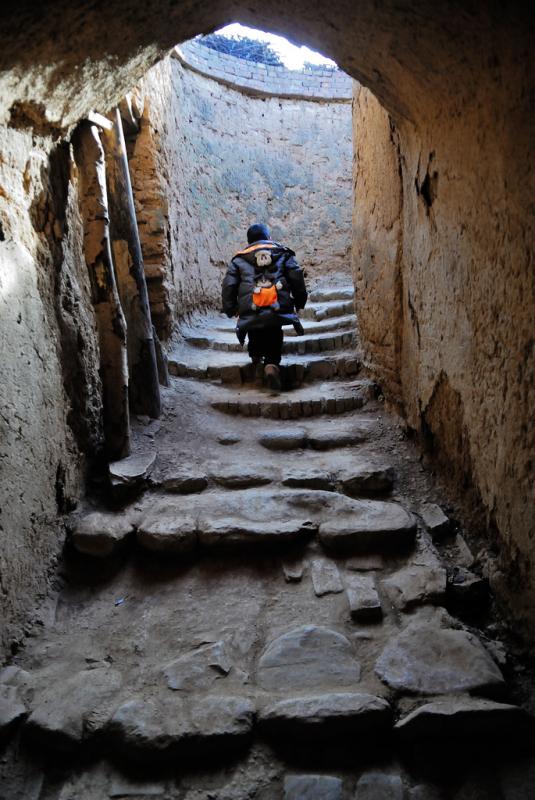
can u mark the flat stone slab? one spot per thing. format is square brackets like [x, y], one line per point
[100, 533]
[466, 718]
[71, 710]
[333, 398]
[126, 787]
[293, 570]
[131, 470]
[165, 531]
[366, 479]
[199, 669]
[185, 482]
[326, 716]
[371, 526]
[309, 478]
[427, 659]
[241, 476]
[316, 437]
[436, 522]
[365, 563]
[337, 433]
[312, 787]
[379, 786]
[322, 295]
[308, 657]
[325, 577]
[364, 601]
[414, 584]
[285, 439]
[170, 727]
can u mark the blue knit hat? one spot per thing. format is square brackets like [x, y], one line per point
[258, 232]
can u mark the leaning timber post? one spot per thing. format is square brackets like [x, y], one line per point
[111, 322]
[130, 274]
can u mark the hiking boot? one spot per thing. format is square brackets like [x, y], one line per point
[272, 376]
[298, 328]
[258, 369]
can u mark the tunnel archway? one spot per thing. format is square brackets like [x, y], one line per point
[442, 233]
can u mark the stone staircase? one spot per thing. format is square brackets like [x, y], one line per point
[208, 345]
[266, 607]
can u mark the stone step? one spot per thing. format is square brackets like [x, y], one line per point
[317, 437]
[190, 362]
[305, 690]
[325, 294]
[465, 719]
[169, 727]
[256, 517]
[319, 718]
[223, 325]
[314, 343]
[328, 309]
[332, 398]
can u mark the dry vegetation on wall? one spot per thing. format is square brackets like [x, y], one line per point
[451, 335]
[239, 159]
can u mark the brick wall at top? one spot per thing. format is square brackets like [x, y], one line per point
[211, 159]
[320, 84]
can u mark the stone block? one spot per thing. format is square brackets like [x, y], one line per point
[325, 577]
[306, 658]
[436, 522]
[364, 601]
[312, 787]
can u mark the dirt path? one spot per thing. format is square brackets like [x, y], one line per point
[273, 606]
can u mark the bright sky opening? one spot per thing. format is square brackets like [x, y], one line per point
[292, 57]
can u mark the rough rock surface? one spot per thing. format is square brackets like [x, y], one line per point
[364, 601]
[198, 669]
[132, 470]
[306, 658]
[312, 787]
[76, 708]
[416, 584]
[369, 526]
[233, 674]
[468, 719]
[170, 727]
[325, 577]
[328, 715]
[426, 659]
[100, 534]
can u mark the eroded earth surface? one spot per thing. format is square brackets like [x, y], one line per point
[267, 600]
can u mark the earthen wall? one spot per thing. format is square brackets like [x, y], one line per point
[226, 158]
[446, 301]
[49, 389]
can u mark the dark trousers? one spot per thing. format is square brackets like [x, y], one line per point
[265, 344]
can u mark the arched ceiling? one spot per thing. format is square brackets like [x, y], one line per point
[60, 59]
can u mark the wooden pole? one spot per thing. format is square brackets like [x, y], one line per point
[89, 155]
[130, 273]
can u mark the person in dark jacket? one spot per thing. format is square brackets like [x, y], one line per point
[265, 288]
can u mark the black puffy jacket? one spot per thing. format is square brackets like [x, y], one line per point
[261, 264]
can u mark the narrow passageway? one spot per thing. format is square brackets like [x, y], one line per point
[211, 589]
[270, 605]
